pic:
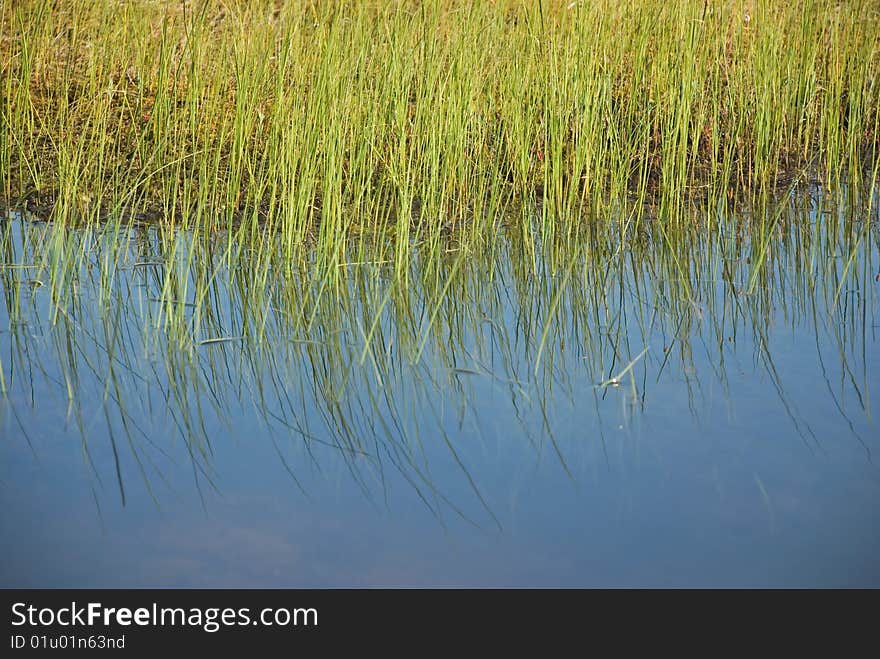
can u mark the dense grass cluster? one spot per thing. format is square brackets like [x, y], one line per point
[327, 121]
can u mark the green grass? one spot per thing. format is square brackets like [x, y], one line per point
[347, 125]
[350, 218]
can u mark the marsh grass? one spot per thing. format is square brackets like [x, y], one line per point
[352, 126]
[352, 215]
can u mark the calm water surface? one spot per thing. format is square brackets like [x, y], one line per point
[661, 415]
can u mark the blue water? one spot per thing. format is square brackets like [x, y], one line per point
[484, 447]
